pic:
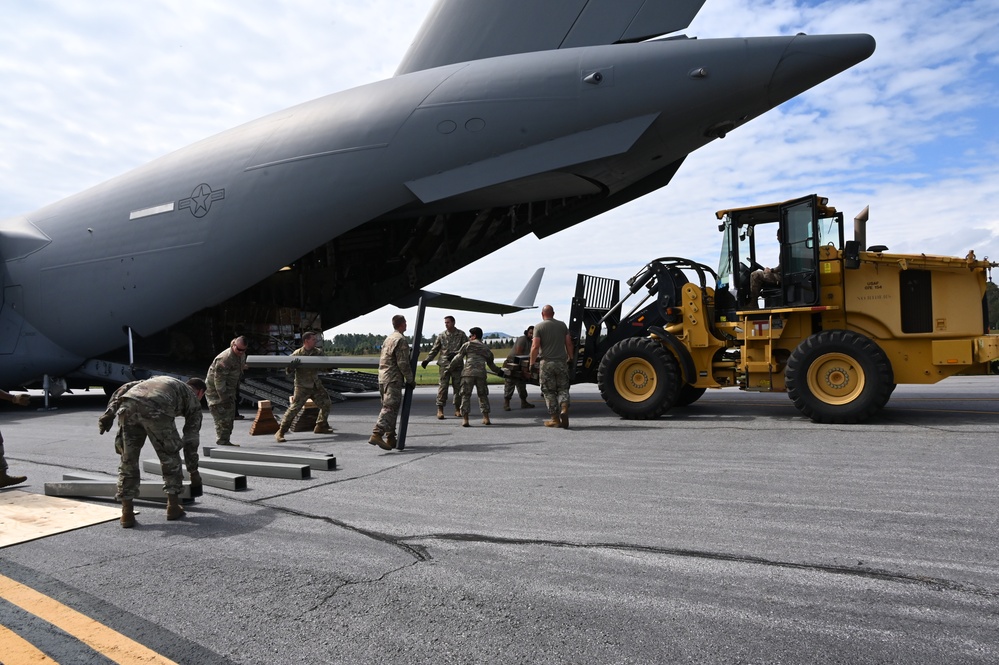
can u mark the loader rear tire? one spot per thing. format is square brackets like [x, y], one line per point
[638, 378]
[839, 376]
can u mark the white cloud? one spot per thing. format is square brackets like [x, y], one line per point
[94, 89]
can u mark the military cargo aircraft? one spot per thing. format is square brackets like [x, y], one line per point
[505, 118]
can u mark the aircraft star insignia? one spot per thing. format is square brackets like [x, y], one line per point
[200, 201]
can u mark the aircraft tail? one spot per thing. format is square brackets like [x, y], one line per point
[530, 293]
[464, 30]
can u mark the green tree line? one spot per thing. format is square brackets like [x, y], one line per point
[369, 344]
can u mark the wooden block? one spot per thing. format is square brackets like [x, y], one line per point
[305, 421]
[264, 422]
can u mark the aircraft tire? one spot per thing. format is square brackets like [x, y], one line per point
[839, 376]
[638, 378]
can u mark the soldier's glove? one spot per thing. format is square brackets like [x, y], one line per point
[426, 361]
[295, 363]
[22, 400]
[410, 385]
[105, 422]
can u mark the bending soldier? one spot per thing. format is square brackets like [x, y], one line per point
[307, 385]
[149, 408]
[223, 382]
[521, 347]
[475, 355]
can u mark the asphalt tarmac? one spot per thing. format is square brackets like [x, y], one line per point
[732, 531]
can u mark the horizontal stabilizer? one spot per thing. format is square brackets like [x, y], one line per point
[465, 30]
[450, 301]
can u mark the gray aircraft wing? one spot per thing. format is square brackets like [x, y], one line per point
[464, 30]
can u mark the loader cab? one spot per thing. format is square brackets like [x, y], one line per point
[784, 237]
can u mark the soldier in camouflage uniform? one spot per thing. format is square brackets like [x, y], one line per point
[447, 345]
[553, 346]
[475, 355]
[521, 347]
[307, 385]
[394, 372]
[149, 408]
[6, 480]
[222, 381]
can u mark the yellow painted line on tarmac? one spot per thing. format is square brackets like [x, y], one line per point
[18, 651]
[109, 643]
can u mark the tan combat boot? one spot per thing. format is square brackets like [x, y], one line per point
[279, 435]
[554, 421]
[174, 509]
[127, 514]
[440, 413]
[524, 404]
[7, 481]
[391, 439]
[464, 421]
[506, 404]
[377, 440]
[457, 412]
[485, 419]
[323, 428]
[565, 417]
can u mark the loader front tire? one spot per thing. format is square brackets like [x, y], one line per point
[638, 378]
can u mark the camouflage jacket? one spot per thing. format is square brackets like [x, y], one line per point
[162, 396]
[306, 377]
[476, 356]
[447, 344]
[223, 377]
[394, 365]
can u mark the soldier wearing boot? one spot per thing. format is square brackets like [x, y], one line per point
[150, 408]
[552, 345]
[395, 371]
[447, 345]
[5, 479]
[521, 347]
[223, 381]
[307, 385]
[475, 356]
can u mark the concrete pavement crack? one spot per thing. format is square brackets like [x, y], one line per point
[870, 573]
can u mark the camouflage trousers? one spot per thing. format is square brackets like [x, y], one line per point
[391, 403]
[481, 389]
[450, 376]
[554, 380]
[319, 397]
[223, 414]
[3, 460]
[135, 423]
[509, 385]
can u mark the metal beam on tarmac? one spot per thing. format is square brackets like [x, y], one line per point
[150, 490]
[316, 461]
[260, 469]
[211, 477]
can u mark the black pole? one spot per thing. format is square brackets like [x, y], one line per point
[407, 398]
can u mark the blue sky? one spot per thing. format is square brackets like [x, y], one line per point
[91, 90]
